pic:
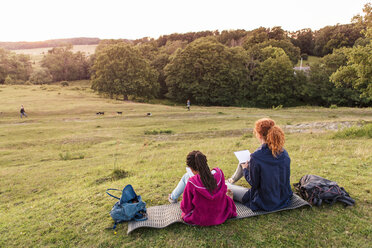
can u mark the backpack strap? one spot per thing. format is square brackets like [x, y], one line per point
[112, 195]
[115, 224]
[347, 200]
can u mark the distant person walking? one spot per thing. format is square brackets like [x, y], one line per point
[22, 111]
[188, 105]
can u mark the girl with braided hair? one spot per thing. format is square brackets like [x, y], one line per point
[205, 202]
[267, 171]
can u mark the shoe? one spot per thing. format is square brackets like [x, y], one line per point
[171, 200]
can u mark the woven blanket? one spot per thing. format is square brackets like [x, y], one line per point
[165, 215]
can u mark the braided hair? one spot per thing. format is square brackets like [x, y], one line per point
[198, 162]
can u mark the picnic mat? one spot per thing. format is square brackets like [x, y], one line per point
[165, 215]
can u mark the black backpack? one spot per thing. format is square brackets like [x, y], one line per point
[316, 190]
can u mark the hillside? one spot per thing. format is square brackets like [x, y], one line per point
[49, 43]
[56, 164]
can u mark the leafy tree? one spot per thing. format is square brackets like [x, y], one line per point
[148, 50]
[256, 50]
[207, 72]
[358, 71]
[304, 39]
[64, 65]
[120, 69]
[262, 34]
[172, 46]
[104, 43]
[188, 37]
[274, 81]
[255, 36]
[321, 91]
[330, 37]
[159, 63]
[364, 22]
[41, 76]
[232, 37]
[16, 67]
[335, 60]
[277, 33]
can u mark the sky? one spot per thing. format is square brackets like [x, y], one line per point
[37, 20]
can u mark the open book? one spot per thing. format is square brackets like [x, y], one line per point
[243, 156]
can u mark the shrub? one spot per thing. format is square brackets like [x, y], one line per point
[115, 175]
[154, 132]
[279, 107]
[69, 156]
[333, 106]
[10, 80]
[41, 76]
[119, 174]
[355, 132]
[64, 83]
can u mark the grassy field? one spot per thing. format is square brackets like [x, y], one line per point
[56, 164]
[37, 54]
[311, 60]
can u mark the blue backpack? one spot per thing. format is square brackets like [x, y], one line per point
[129, 207]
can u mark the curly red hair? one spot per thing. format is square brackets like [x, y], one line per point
[272, 134]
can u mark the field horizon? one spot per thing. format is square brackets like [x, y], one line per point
[56, 164]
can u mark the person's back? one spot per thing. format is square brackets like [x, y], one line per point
[268, 171]
[204, 208]
[274, 191]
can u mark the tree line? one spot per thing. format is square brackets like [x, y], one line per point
[231, 68]
[243, 68]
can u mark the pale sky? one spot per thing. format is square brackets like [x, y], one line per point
[36, 20]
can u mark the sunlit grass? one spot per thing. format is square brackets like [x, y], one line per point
[355, 132]
[311, 60]
[46, 200]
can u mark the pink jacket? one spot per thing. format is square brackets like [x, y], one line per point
[202, 208]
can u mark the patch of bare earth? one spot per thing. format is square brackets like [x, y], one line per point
[318, 127]
[312, 127]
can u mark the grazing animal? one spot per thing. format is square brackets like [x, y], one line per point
[149, 114]
[100, 113]
[119, 113]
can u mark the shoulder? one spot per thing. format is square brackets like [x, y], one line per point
[260, 150]
[285, 154]
[218, 175]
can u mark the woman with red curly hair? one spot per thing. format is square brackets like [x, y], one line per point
[267, 171]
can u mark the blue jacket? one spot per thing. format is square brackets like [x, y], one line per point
[269, 178]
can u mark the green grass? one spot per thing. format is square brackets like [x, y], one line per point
[355, 132]
[46, 201]
[311, 60]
